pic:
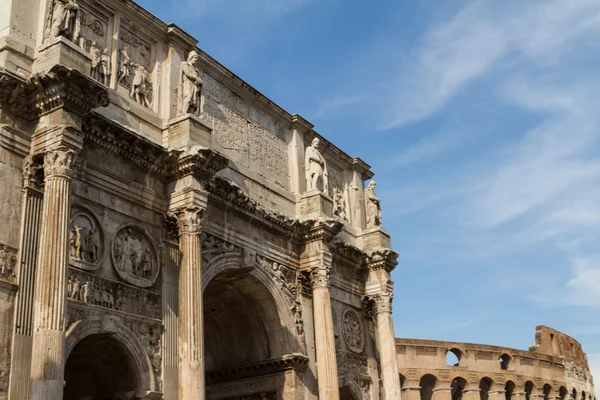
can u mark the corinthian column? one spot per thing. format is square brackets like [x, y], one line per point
[324, 338]
[190, 325]
[387, 345]
[47, 368]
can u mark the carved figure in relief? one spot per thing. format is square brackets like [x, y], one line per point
[76, 289]
[339, 204]
[84, 240]
[104, 71]
[124, 66]
[87, 292]
[352, 331]
[141, 86]
[316, 168]
[190, 86]
[134, 258]
[373, 206]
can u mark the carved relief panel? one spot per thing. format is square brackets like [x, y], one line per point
[86, 240]
[353, 331]
[134, 256]
[8, 262]
[339, 193]
[134, 69]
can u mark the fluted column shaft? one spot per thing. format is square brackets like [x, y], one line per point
[387, 346]
[327, 374]
[47, 367]
[190, 317]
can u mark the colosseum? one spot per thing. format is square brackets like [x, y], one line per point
[169, 232]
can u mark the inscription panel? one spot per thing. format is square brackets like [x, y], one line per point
[246, 133]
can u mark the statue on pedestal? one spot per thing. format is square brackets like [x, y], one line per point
[65, 19]
[316, 168]
[373, 206]
[190, 87]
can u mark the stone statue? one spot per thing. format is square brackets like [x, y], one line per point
[190, 87]
[95, 55]
[316, 168]
[373, 206]
[124, 66]
[65, 19]
[104, 68]
[141, 86]
[339, 204]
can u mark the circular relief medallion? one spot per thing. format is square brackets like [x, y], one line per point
[134, 256]
[86, 243]
[353, 331]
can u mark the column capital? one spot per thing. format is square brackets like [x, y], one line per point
[59, 162]
[382, 301]
[189, 219]
[320, 277]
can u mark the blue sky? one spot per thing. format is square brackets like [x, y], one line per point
[481, 121]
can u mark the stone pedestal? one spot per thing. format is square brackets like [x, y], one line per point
[327, 375]
[188, 130]
[190, 326]
[444, 393]
[61, 51]
[50, 299]
[410, 391]
[387, 346]
[315, 204]
[376, 238]
[497, 395]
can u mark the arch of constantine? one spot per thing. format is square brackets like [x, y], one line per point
[168, 232]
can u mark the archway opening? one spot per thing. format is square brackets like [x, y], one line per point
[241, 322]
[574, 392]
[562, 393]
[509, 388]
[484, 387]
[504, 361]
[346, 394]
[457, 386]
[547, 390]
[453, 357]
[528, 390]
[99, 367]
[427, 384]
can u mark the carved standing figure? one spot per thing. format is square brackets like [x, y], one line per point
[190, 87]
[104, 68]
[140, 87]
[373, 206]
[65, 19]
[339, 204]
[76, 292]
[95, 55]
[316, 168]
[124, 66]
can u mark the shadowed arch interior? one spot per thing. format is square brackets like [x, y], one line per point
[242, 325]
[427, 384]
[99, 367]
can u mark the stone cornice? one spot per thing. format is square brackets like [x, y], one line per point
[348, 254]
[122, 141]
[63, 87]
[382, 259]
[14, 94]
[226, 194]
[201, 162]
[320, 229]
[296, 362]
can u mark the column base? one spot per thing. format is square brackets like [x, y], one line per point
[47, 365]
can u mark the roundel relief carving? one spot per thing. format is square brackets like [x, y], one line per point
[86, 242]
[353, 331]
[134, 256]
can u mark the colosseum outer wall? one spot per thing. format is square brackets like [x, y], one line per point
[555, 367]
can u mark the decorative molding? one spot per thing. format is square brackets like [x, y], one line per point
[347, 254]
[189, 220]
[320, 229]
[352, 362]
[320, 277]
[201, 162]
[296, 362]
[382, 259]
[63, 87]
